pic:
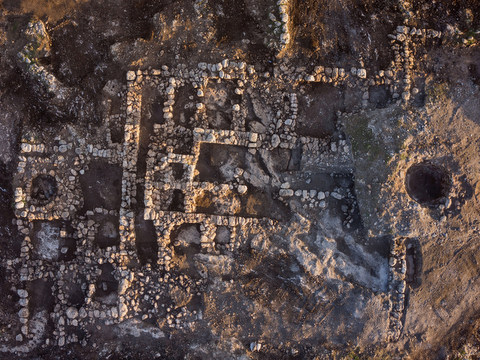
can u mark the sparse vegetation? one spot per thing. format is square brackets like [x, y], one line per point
[436, 92]
[364, 142]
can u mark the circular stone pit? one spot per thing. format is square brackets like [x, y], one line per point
[427, 183]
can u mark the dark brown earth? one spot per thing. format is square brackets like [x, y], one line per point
[93, 42]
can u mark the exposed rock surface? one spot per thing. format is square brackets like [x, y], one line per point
[239, 179]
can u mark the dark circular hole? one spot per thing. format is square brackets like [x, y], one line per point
[44, 188]
[426, 183]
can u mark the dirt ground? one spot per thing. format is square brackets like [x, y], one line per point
[269, 300]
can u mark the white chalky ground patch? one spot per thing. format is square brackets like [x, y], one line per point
[48, 240]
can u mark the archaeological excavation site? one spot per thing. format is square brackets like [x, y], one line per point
[240, 179]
